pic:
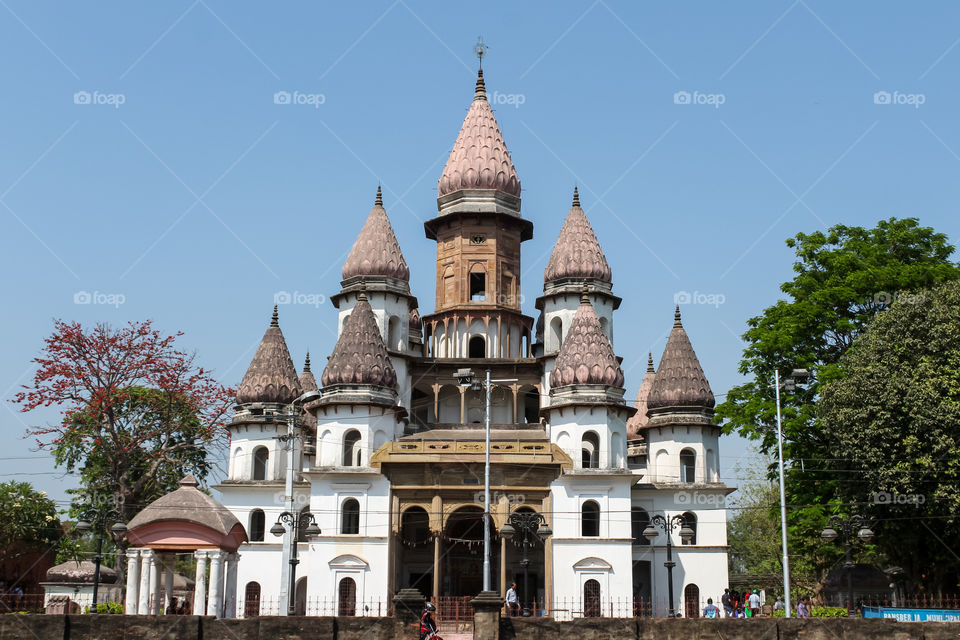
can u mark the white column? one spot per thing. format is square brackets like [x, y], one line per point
[155, 595]
[230, 591]
[143, 608]
[133, 581]
[200, 589]
[216, 583]
[168, 581]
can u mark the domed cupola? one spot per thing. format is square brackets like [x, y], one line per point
[586, 357]
[271, 377]
[680, 381]
[376, 252]
[577, 253]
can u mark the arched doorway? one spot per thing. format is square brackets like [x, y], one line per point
[251, 600]
[591, 599]
[300, 601]
[415, 567]
[347, 597]
[462, 572]
[691, 601]
[477, 347]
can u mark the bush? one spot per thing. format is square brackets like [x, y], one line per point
[828, 612]
[106, 607]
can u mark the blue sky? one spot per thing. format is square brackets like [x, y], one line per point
[701, 135]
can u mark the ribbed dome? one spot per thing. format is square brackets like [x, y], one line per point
[360, 356]
[577, 253]
[640, 419]
[307, 381]
[271, 376]
[479, 159]
[680, 380]
[586, 356]
[376, 251]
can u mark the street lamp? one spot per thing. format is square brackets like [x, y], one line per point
[797, 376]
[855, 526]
[308, 523]
[118, 529]
[466, 378]
[530, 525]
[668, 526]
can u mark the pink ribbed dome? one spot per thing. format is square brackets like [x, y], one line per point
[680, 380]
[479, 159]
[360, 356]
[376, 251]
[577, 253]
[586, 356]
[271, 376]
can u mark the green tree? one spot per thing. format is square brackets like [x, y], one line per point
[29, 526]
[843, 279]
[892, 421]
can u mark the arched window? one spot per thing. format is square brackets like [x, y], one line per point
[302, 531]
[591, 599]
[590, 519]
[261, 460]
[590, 450]
[351, 449]
[347, 597]
[257, 525]
[556, 335]
[236, 464]
[300, 595]
[350, 517]
[478, 283]
[639, 520]
[691, 521]
[393, 334]
[477, 347]
[415, 526]
[688, 466]
[251, 600]
[691, 601]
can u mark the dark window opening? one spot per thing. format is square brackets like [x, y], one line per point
[350, 517]
[590, 519]
[478, 347]
[478, 286]
[257, 525]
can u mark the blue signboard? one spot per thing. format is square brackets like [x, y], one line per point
[913, 615]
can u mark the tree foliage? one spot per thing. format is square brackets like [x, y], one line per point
[843, 279]
[893, 423]
[28, 522]
[136, 413]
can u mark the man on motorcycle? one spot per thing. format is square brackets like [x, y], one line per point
[428, 627]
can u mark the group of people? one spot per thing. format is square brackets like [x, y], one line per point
[747, 605]
[178, 607]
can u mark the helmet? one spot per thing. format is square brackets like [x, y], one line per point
[429, 607]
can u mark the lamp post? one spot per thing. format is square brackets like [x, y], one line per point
[308, 523]
[668, 526]
[797, 376]
[531, 526]
[466, 378]
[849, 528]
[118, 529]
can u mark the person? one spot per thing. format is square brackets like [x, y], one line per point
[803, 609]
[428, 627]
[725, 601]
[172, 609]
[513, 603]
[711, 611]
[778, 605]
[755, 603]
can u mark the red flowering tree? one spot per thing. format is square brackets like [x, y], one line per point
[137, 413]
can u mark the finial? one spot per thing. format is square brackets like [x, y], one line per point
[649, 362]
[584, 298]
[275, 320]
[481, 91]
[379, 201]
[363, 290]
[676, 317]
[480, 50]
[576, 197]
[306, 363]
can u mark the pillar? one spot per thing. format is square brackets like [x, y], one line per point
[230, 590]
[131, 607]
[215, 608]
[503, 568]
[143, 606]
[486, 615]
[168, 581]
[436, 567]
[155, 595]
[463, 404]
[200, 587]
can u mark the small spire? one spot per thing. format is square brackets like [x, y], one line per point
[379, 201]
[275, 320]
[481, 91]
[363, 290]
[584, 298]
[306, 363]
[649, 361]
[576, 197]
[676, 317]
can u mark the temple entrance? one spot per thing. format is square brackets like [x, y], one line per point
[463, 554]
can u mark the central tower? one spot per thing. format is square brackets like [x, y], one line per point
[478, 231]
